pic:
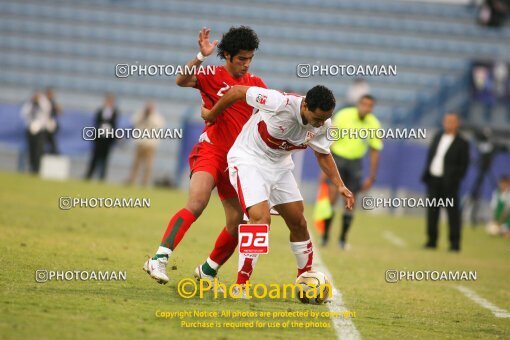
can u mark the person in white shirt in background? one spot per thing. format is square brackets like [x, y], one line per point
[446, 165]
[36, 115]
[260, 163]
[147, 119]
[358, 89]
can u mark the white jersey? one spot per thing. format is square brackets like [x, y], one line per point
[275, 131]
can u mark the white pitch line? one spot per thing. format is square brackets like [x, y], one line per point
[497, 311]
[394, 239]
[344, 327]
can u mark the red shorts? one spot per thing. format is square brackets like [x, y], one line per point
[205, 157]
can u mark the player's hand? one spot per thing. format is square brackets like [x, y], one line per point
[204, 113]
[367, 184]
[205, 46]
[349, 197]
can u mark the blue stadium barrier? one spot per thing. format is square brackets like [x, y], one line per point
[69, 138]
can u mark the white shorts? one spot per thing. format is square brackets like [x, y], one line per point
[255, 184]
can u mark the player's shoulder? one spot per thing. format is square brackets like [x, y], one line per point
[293, 99]
[372, 119]
[288, 102]
[254, 80]
[211, 74]
[267, 99]
[218, 71]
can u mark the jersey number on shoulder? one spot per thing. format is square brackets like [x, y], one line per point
[224, 89]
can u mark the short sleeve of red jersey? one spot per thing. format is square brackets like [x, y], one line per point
[264, 99]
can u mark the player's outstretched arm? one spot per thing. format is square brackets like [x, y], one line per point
[206, 49]
[327, 164]
[230, 97]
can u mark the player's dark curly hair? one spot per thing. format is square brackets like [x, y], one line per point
[236, 39]
[320, 97]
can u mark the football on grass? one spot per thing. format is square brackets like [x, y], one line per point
[313, 287]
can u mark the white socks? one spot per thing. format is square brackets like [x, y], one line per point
[303, 251]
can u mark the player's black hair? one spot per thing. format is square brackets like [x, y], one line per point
[320, 97]
[236, 39]
[367, 96]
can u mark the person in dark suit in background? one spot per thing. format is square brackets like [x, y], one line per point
[52, 126]
[106, 119]
[447, 163]
[36, 113]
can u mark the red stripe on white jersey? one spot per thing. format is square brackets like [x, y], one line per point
[276, 143]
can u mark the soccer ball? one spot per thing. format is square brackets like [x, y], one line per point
[313, 287]
[492, 228]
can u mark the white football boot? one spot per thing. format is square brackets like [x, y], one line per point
[240, 292]
[157, 269]
[200, 275]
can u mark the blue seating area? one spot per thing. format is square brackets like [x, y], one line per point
[76, 45]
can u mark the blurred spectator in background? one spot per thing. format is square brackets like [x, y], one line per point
[446, 166]
[147, 119]
[494, 12]
[52, 126]
[106, 120]
[348, 154]
[358, 89]
[36, 114]
[488, 147]
[500, 205]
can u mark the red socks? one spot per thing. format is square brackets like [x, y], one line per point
[224, 247]
[245, 267]
[177, 227]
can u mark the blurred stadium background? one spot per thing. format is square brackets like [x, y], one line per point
[446, 60]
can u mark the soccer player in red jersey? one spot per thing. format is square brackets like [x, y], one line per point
[208, 159]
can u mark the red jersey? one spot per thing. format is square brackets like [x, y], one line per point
[229, 123]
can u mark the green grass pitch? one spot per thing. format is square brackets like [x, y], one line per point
[36, 234]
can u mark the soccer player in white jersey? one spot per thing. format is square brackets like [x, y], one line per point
[260, 163]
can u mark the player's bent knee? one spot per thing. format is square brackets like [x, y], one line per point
[299, 225]
[235, 219]
[197, 206]
[232, 228]
[263, 219]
